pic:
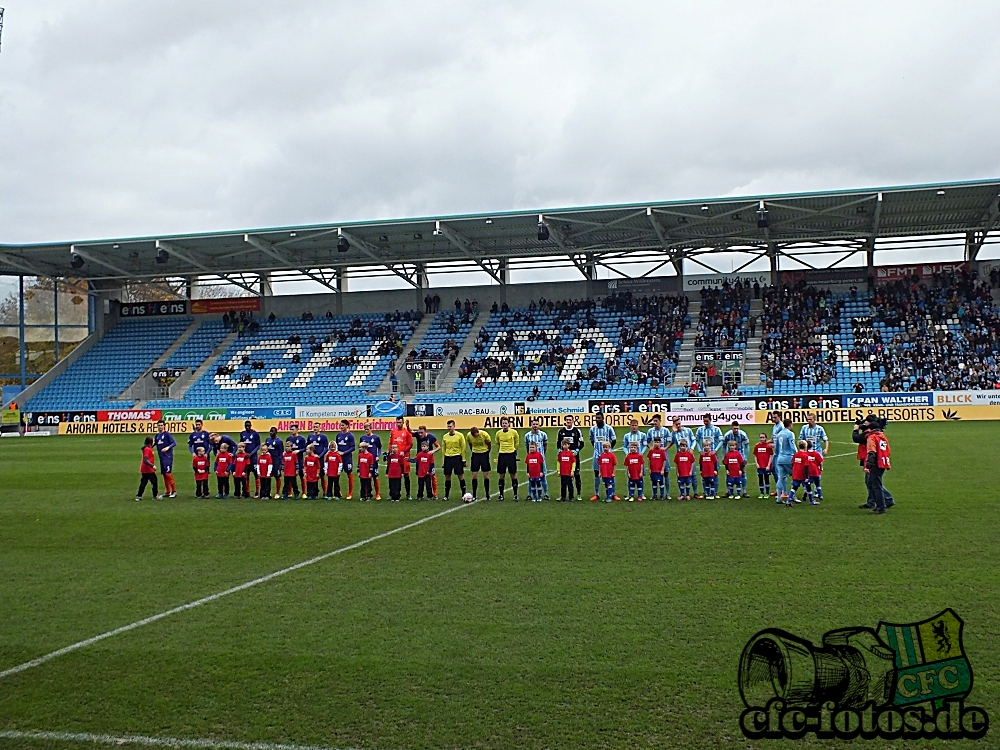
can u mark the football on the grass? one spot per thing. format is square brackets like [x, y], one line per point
[467, 497]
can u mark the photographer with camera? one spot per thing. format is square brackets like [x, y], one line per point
[873, 454]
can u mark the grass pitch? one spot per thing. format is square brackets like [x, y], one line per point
[497, 626]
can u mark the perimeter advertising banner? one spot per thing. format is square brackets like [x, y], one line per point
[827, 408]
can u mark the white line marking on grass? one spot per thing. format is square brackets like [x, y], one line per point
[235, 589]
[841, 455]
[219, 595]
[107, 739]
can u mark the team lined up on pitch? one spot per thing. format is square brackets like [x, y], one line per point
[314, 466]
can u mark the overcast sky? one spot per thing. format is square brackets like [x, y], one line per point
[126, 118]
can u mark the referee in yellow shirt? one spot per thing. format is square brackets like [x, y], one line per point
[480, 446]
[507, 441]
[454, 447]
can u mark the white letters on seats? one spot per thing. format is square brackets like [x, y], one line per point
[231, 382]
[575, 360]
[365, 367]
[308, 372]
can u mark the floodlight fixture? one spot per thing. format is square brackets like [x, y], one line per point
[543, 230]
[762, 216]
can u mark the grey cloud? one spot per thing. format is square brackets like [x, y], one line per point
[125, 118]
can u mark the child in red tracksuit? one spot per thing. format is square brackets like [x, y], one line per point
[763, 454]
[265, 470]
[567, 462]
[659, 476]
[635, 465]
[334, 462]
[425, 470]
[734, 463]
[800, 473]
[395, 467]
[290, 473]
[241, 472]
[147, 471]
[709, 463]
[202, 466]
[607, 462]
[534, 464]
[223, 468]
[684, 461]
[816, 474]
[366, 472]
[311, 469]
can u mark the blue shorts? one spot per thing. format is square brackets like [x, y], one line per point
[655, 478]
[167, 467]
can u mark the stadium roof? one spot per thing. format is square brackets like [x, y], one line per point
[796, 226]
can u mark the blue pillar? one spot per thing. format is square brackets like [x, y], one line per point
[20, 324]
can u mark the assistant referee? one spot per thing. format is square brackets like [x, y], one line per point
[479, 447]
[454, 447]
[507, 441]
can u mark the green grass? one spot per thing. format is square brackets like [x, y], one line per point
[498, 626]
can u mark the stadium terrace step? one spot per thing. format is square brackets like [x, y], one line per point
[468, 346]
[181, 386]
[137, 390]
[385, 387]
[685, 359]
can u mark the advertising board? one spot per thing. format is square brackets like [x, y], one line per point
[148, 309]
[221, 306]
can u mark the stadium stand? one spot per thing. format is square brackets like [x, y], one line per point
[302, 361]
[110, 366]
[623, 348]
[907, 335]
[941, 336]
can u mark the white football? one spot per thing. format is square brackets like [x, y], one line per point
[467, 497]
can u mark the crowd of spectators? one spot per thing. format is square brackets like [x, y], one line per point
[792, 321]
[724, 317]
[926, 354]
[240, 323]
[648, 327]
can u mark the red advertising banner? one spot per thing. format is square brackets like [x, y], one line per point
[220, 306]
[130, 415]
[884, 274]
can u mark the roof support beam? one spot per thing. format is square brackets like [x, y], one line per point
[974, 243]
[22, 265]
[467, 246]
[372, 252]
[189, 258]
[873, 235]
[270, 250]
[676, 258]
